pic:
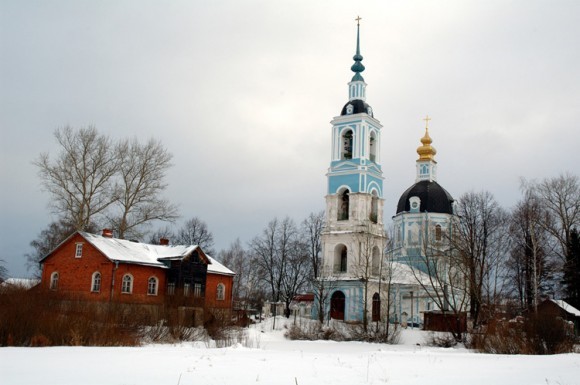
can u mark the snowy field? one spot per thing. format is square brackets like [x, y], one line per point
[275, 360]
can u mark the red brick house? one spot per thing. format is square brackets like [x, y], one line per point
[105, 269]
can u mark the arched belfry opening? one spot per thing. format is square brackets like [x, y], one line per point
[373, 147]
[337, 305]
[343, 205]
[346, 142]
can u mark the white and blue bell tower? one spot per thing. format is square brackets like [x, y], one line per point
[353, 238]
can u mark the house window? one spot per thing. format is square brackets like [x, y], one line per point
[186, 289]
[54, 281]
[127, 284]
[197, 290]
[221, 292]
[96, 282]
[152, 286]
[171, 288]
[79, 250]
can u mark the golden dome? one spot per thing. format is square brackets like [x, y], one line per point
[426, 151]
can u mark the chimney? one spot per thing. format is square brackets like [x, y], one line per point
[107, 233]
[164, 241]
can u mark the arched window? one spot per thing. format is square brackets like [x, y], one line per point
[337, 305]
[340, 259]
[54, 281]
[152, 286]
[438, 233]
[96, 282]
[376, 313]
[127, 284]
[221, 292]
[376, 262]
[343, 205]
[374, 214]
[346, 141]
[373, 147]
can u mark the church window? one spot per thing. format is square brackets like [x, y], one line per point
[349, 109]
[376, 312]
[438, 233]
[340, 259]
[54, 281]
[343, 205]
[374, 214]
[96, 282]
[347, 139]
[127, 284]
[376, 261]
[152, 286]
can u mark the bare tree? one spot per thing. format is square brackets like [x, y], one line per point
[164, 232]
[560, 196]
[195, 232]
[48, 239]
[529, 263]
[273, 253]
[441, 272]
[323, 286]
[370, 243]
[142, 170]
[311, 234]
[479, 239]
[81, 178]
[3, 271]
[246, 287]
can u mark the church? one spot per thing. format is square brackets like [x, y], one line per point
[369, 275]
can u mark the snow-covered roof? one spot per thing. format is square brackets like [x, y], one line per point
[567, 307]
[404, 274]
[24, 283]
[145, 254]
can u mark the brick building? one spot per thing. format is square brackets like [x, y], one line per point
[105, 269]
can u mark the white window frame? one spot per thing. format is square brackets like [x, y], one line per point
[54, 280]
[152, 285]
[79, 250]
[221, 292]
[96, 282]
[127, 280]
[171, 288]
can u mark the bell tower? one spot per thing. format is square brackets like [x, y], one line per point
[353, 234]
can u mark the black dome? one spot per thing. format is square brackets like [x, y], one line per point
[358, 107]
[434, 198]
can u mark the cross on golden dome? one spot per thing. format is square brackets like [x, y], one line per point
[426, 151]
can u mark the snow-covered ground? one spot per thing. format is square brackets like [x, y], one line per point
[272, 359]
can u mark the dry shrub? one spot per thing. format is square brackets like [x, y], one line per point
[40, 318]
[441, 340]
[340, 331]
[536, 334]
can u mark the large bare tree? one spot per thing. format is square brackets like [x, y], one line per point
[81, 177]
[94, 180]
[480, 240]
[195, 232]
[530, 263]
[311, 233]
[142, 172]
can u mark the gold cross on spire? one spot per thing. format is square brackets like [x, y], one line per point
[427, 119]
[358, 19]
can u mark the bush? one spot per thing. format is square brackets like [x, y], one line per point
[536, 334]
[340, 331]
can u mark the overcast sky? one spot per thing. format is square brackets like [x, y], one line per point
[242, 93]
